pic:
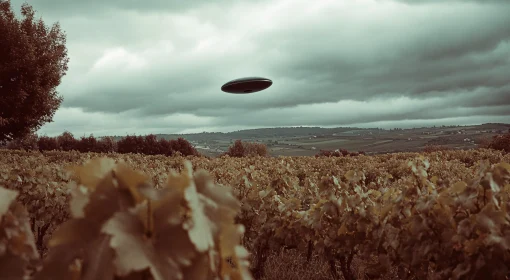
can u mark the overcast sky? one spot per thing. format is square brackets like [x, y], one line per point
[157, 66]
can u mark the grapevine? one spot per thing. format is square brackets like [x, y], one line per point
[437, 215]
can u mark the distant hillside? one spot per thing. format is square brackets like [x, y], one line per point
[258, 133]
[288, 132]
[308, 141]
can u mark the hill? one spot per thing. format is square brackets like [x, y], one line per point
[307, 141]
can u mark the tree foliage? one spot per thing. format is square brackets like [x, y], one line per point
[246, 149]
[27, 142]
[500, 142]
[147, 145]
[33, 60]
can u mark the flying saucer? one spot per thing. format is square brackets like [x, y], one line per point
[246, 85]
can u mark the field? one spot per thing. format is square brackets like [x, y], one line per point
[303, 141]
[438, 215]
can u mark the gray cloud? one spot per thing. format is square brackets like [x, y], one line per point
[92, 8]
[332, 63]
[418, 2]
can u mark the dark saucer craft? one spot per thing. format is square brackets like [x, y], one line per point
[246, 85]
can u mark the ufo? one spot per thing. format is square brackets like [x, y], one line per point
[246, 85]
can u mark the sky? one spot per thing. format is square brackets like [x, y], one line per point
[157, 66]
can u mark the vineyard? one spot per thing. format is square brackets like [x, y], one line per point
[437, 215]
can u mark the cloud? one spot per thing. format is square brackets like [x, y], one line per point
[92, 8]
[418, 2]
[331, 62]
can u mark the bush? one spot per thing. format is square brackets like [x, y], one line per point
[484, 142]
[151, 145]
[500, 142]
[46, 143]
[67, 142]
[131, 144]
[165, 147]
[28, 142]
[184, 147]
[106, 145]
[246, 149]
[87, 144]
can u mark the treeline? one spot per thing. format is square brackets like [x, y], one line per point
[148, 144]
[151, 145]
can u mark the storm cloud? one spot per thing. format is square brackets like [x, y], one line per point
[158, 66]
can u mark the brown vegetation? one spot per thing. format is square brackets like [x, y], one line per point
[120, 227]
[246, 149]
[338, 153]
[435, 148]
[33, 60]
[360, 217]
[147, 145]
[500, 142]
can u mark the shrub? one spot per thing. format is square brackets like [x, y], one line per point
[27, 142]
[130, 144]
[236, 150]
[106, 145]
[151, 145]
[67, 142]
[46, 143]
[87, 144]
[500, 142]
[484, 142]
[184, 147]
[247, 149]
[165, 148]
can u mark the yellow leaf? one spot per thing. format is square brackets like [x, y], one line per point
[131, 179]
[6, 198]
[434, 180]
[505, 166]
[349, 175]
[91, 173]
[458, 187]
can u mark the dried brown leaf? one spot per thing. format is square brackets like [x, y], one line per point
[133, 251]
[6, 198]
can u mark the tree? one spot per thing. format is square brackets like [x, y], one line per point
[27, 142]
[184, 147]
[33, 60]
[500, 142]
[236, 150]
[46, 143]
[87, 144]
[151, 145]
[67, 142]
[106, 145]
